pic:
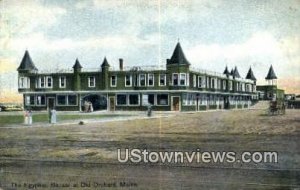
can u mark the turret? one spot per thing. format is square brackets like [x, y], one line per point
[76, 77]
[236, 73]
[178, 57]
[271, 77]
[226, 72]
[77, 67]
[27, 65]
[251, 76]
[105, 69]
[178, 62]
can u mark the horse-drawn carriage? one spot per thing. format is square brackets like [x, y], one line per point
[276, 107]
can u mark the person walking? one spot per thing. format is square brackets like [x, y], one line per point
[53, 116]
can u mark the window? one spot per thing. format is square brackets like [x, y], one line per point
[201, 82]
[182, 79]
[62, 82]
[40, 100]
[61, 100]
[213, 83]
[218, 83]
[150, 79]
[151, 99]
[121, 99]
[189, 99]
[147, 99]
[49, 82]
[208, 84]
[194, 81]
[29, 100]
[175, 79]
[113, 81]
[224, 85]
[162, 80]
[67, 100]
[24, 82]
[91, 81]
[230, 85]
[44, 82]
[128, 80]
[203, 99]
[41, 82]
[72, 100]
[188, 79]
[142, 80]
[133, 99]
[162, 99]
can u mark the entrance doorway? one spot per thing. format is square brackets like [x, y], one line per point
[50, 103]
[99, 102]
[175, 103]
[111, 103]
[226, 102]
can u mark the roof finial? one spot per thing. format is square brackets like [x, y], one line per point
[178, 40]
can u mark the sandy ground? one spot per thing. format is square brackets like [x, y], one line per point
[88, 153]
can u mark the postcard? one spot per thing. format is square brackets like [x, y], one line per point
[152, 94]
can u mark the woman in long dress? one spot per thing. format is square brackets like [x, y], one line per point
[26, 117]
[53, 116]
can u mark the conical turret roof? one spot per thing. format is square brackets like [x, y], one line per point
[77, 65]
[27, 63]
[105, 63]
[178, 56]
[236, 73]
[271, 74]
[226, 72]
[250, 75]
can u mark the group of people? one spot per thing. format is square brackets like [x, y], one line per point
[88, 106]
[28, 116]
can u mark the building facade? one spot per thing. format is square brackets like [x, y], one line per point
[270, 91]
[176, 87]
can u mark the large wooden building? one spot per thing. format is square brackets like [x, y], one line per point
[176, 87]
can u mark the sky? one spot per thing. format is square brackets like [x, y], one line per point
[212, 33]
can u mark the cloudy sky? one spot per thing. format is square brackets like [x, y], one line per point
[213, 34]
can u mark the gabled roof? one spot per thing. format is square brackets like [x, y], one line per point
[271, 74]
[77, 65]
[236, 73]
[226, 72]
[231, 72]
[27, 63]
[105, 63]
[250, 75]
[178, 56]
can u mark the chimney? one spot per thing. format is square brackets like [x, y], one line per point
[121, 64]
